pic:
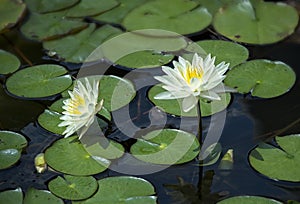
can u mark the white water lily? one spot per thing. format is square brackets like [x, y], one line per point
[81, 108]
[191, 81]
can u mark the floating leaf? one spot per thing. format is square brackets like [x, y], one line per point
[34, 196]
[276, 163]
[68, 156]
[50, 26]
[57, 106]
[214, 5]
[10, 13]
[40, 81]
[43, 6]
[256, 24]
[9, 62]
[49, 120]
[76, 48]
[180, 16]
[123, 189]
[9, 157]
[166, 146]
[211, 154]
[73, 187]
[12, 196]
[249, 200]
[174, 106]
[263, 78]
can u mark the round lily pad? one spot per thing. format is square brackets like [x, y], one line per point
[145, 59]
[12, 196]
[249, 200]
[174, 106]
[43, 6]
[180, 16]
[76, 48]
[57, 105]
[40, 81]
[9, 157]
[50, 26]
[166, 146]
[73, 187]
[49, 120]
[9, 62]
[68, 156]
[263, 78]
[123, 189]
[34, 196]
[276, 163]
[10, 13]
[256, 23]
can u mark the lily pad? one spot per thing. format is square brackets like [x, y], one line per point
[180, 16]
[49, 120]
[174, 106]
[123, 189]
[9, 62]
[76, 48]
[35, 196]
[166, 146]
[40, 81]
[249, 200]
[145, 59]
[263, 78]
[256, 24]
[10, 13]
[49, 26]
[276, 163]
[68, 156]
[57, 105]
[9, 157]
[43, 6]
[73, 187]
[12, 196]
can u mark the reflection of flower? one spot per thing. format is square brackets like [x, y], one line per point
[81, 108]
[190, 81]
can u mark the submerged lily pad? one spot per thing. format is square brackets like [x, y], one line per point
[263, 78]
[123, 189]
[49, 120]
[68, 156]
[34, 196]
[50, 26]
[180, 16]
[73, 187]
[76, 48]
[11, 196]
[276, 163]
[10, 13]
[9, 62]
[40, 81]
[174, 106]
[166, 146]
[43, 6]
[256, 23]
[249, 200]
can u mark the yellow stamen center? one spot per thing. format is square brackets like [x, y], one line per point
[192, 73]
[75, 103]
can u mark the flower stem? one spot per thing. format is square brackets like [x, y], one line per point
[199, 134]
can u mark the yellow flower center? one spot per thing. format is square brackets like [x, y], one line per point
[192, 73]
[75, 103]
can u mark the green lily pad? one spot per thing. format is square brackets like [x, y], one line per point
[35, 196]
[212, 154]
[256, 24]
[10, 13]
[278, 164]
[174, 106]
[49, 120]
[9, 62]
[248, 200]
[12, 196]
[180, 16]
[117, 14]
[214, 5]
[76, 48]
[40, 81]
[57, 105]
[73, 187]
[43, 6]
[166, 146]
[145, 59]
[68, 156]
[263, 78]
[226, 51]
[90, 8]
[123, 189]
[50, 26]
[9, 157]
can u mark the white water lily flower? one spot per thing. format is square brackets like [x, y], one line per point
[81, 108]
[191, 81]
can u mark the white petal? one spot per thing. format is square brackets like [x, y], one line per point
[210, 95]
[189, 102]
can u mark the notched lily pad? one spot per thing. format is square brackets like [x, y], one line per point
[263, 78]
[249, 200]
[9, 63]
